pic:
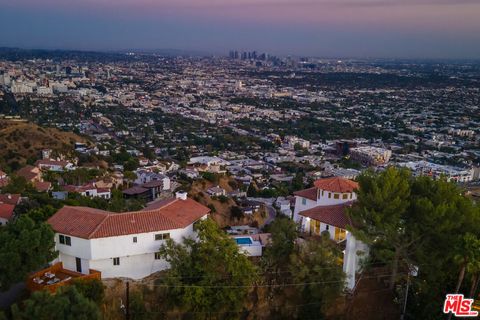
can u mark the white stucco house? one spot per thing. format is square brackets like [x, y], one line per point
[322, 209]
[123, 244]
[146, 176]
[89, 190]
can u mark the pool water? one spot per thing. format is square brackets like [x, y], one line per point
[243, 240]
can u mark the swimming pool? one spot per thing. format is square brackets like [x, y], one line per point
[244, 240]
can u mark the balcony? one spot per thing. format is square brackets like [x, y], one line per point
[56, 276]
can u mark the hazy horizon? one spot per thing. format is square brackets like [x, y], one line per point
[425, 29]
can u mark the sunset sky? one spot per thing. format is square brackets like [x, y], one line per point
[343, 28]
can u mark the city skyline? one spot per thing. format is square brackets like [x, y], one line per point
[343, 28]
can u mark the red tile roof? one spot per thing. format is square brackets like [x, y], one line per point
[10, 198]
[28, 172]
[135, 190]
[310, 193]
[336, 184]
[42, 186]
[89, 223]
[6, 210]
[332, 215]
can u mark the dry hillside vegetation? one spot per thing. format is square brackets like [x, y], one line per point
[20, 141]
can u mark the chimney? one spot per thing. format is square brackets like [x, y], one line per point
[181, 195]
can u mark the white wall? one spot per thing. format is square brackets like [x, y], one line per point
[137, 260]
[135, 267]
[299, 206]
[121, 246]
[324, 200]
[355, 252]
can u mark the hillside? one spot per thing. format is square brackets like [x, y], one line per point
[23, 141]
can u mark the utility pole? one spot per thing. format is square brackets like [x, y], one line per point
[406, 298]
[127, 302]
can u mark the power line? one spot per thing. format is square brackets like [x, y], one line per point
[257, 286]
[256, 273]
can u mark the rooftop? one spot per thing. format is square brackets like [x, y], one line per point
[336, 184]
[89, 223]
[334, 215]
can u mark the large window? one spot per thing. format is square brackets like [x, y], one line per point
[336, 196]
[116, 261]
[162, 236]
[66, 240]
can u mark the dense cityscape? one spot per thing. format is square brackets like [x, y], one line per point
[246, 160]
[272, 149]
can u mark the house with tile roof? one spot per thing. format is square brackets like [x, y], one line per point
[322, 210]
[123, 244]
[8, 202]
[33, 175]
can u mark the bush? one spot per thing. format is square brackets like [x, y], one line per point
[92, 289]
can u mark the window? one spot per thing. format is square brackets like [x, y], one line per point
[134, 239]
[345, 196]
[329, 195]
[327, 227]
[162, 236]
[304, 201]
[336, 196]
[116, 261]
[157, 256]
[66, 240]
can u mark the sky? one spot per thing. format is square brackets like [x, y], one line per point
[323, 28]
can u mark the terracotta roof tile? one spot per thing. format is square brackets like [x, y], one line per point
[336, 184]
[10, 198]
[6, 210]
[333, 215]
[310, 193]
[42, 186]
[28, 173]
[91, 223]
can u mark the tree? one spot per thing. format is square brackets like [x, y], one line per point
[236, 212]
[129, 176]
[25, 246]
[66, 304]
[297, 182]
[317, 264]
[131, 164]
[208, 275]
[17, 185]
[252, 191]
[284, 233]
[92, 289]
[381, 213]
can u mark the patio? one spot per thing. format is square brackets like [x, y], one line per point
[56, 276]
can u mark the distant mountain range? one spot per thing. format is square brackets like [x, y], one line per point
[23, 54]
